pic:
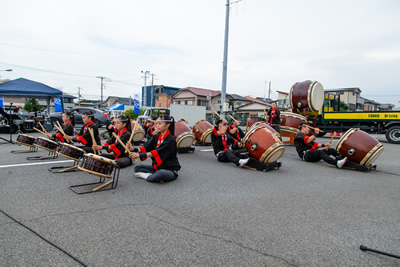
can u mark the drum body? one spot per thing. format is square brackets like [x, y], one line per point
[46, 144]
[291, 122]
[183, 135]
[202, 131]
[139, 133]
[97, 165]
[25, 140]
[70, 152]
[307, 94]
[360, 147]
[263, 144]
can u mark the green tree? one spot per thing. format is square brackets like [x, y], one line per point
[129, 113]
[343, 106]
[32, 105]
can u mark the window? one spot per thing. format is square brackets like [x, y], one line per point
[188, 102]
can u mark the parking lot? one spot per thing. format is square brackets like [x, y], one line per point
[304, 214]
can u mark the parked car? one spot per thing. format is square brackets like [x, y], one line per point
[100, 118]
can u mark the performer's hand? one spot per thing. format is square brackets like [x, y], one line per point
[129, 146]
[48, 135]
[96, 148]
[316, 130]
[328, 145]
[67, 137]
[240, 144]
[133, 155]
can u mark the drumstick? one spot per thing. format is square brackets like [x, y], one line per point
[231, 117]
[247, 125]
[39, 131]
[122, 144]
[103, 185]
[61, 130]
[44, 130]
[93, 140]
[312, 127]
[334, 133]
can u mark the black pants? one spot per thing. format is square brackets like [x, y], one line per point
[162, 175]
[230, 156]
[317, 155]
[121, 162]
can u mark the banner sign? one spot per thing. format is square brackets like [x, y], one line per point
[136, 107]
[58, 104]
[1, 102]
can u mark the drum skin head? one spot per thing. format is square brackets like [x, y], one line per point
[316, 96]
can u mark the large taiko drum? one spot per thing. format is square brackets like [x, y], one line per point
[139, 133]
[183, 135]
[202, 131]
[46, 144]
[70, 152]
[97, 165]
[263, 144]
[25, 140]
[360, 147]
[307, 94]
[290, 122]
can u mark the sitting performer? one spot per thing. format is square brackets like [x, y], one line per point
[68, 127]
[236, 133]
[111, 127]
[123, 131]
[151, 128]
[84, 136]
[221, 142]
[308, 150]
[273, 117]
[163, 151]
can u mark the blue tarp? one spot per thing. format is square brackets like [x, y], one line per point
[116, 107]
[27, 88]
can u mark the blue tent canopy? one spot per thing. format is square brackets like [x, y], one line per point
[116, 107]
[27, 88]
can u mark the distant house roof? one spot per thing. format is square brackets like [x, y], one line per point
[338, 90]
[201, 92]
[238, 97]
[69, 96]
[254, 99]
[366, 100]
[121, 100]
[284, 93]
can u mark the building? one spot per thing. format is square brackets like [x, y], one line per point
[211, 99]
[350, 96]
[283, 100]
[386, 106]
[149, 94]
[370, 105]
[238, 101]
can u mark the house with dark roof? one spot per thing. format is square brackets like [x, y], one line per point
[111, 100]
[347, 95]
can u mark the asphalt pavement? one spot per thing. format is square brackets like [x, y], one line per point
[214, 214]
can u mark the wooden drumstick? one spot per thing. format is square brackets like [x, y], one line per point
[103, 185]
[312, 127]
[247, 125]
[93, 140]
[61, 130]
[231, 117]
[39, 131]
[44, 130]
[122, 144]
[330, 142]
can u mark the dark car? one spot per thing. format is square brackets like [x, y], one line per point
[100, 118]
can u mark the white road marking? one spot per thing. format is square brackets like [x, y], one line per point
[207, 150]
[34, 163]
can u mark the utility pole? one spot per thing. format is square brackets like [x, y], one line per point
[145, 88]
[152, 88]
[102, 87]
[269, 90]
[79, 96]
[225, 63]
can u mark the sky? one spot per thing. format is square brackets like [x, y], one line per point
[68, 44]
